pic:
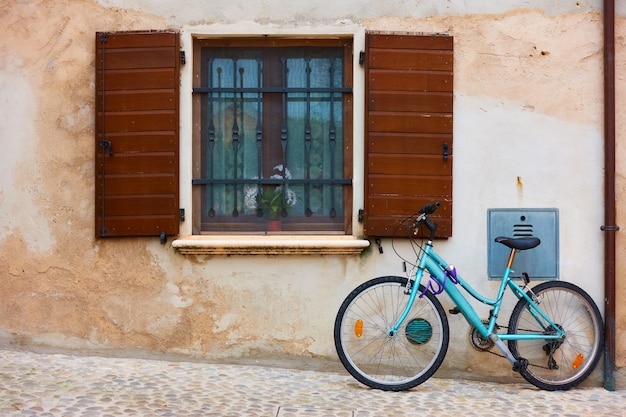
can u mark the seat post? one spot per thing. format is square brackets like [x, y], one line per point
[509, 263]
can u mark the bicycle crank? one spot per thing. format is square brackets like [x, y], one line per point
[477, 341]
[480, 344]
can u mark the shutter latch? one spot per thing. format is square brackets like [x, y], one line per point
[106, 145]
[446, 153]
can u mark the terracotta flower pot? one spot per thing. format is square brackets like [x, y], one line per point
[274, 225]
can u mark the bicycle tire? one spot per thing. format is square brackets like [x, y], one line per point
[381, 361]
[562, 364]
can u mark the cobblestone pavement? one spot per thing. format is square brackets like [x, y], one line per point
[33, 384]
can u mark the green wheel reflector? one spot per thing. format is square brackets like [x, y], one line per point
[418, 331]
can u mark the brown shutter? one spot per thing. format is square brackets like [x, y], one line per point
[137, 79]
[408, 127]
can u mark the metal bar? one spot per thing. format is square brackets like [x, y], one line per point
[284, 131]
[270, 181]
[235, 139]
[211, 138]
[332, 136]
[259, 135]
[293, 99]
[307, 141]
[205, 90]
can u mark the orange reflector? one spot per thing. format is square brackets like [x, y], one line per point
[578, 361]
[358, 328]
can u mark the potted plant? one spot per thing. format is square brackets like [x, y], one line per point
[272, 202]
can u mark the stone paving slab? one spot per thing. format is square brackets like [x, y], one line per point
[55, 385]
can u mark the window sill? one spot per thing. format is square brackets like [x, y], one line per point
[270, 245]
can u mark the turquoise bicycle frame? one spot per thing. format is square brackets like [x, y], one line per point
[437, 267]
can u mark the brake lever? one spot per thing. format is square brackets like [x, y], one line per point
[415, 225]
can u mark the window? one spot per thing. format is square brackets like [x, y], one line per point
[272, 135]
[271, 114]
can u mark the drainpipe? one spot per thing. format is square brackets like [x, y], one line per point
[610, 228]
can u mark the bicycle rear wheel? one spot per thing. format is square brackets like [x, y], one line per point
[558, 364]
[383, 361]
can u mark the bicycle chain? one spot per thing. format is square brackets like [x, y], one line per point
[489, 349]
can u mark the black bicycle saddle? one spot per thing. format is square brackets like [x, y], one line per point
[520, 243]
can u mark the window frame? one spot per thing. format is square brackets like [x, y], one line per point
[347, 190]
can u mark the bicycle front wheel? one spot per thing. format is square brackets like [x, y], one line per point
[558, 364]
[378, 359]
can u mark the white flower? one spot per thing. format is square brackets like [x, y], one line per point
[280, 174]
[251, 198]
[250, 193]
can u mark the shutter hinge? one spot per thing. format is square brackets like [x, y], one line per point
[361, 58]
[163, 238]
[182, 58]
[361, 215]
[182, 214]
[103, 37]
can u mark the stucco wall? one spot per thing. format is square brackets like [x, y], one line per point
[528, 105]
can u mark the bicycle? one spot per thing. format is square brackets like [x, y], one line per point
[391, 332]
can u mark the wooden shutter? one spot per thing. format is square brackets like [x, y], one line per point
[137, 79]
[409, 100]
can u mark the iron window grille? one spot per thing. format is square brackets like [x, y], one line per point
[273, 120]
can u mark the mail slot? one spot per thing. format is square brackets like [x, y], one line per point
[541, 262]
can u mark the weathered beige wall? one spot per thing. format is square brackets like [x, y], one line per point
[56, 280]
[527, 82]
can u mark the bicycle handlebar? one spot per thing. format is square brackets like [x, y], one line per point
[423, 217]
[430, 208]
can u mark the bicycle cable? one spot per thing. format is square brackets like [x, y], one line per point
[408, 225]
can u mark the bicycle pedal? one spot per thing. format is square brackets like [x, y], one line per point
[520, 365]
[455, 310]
